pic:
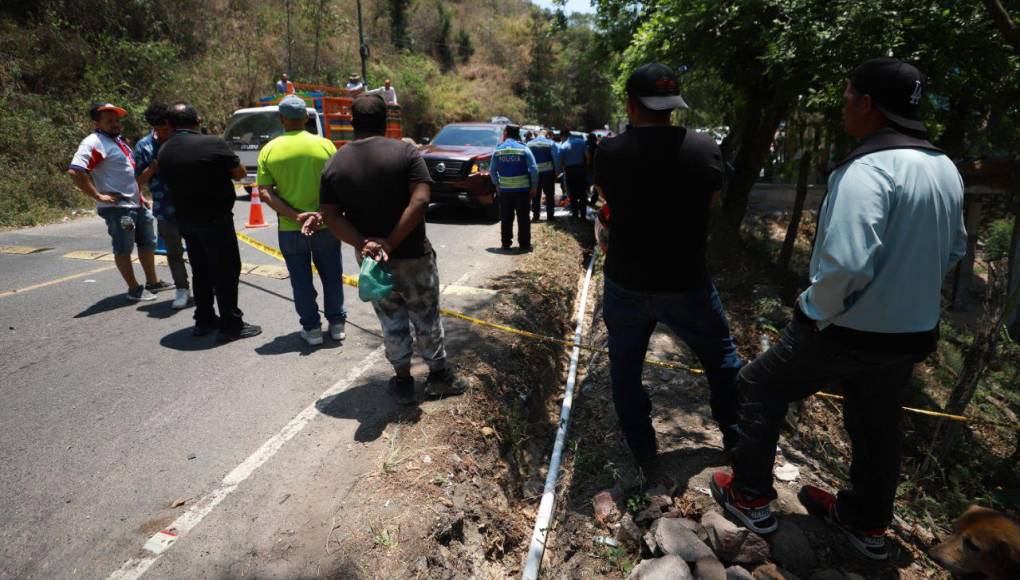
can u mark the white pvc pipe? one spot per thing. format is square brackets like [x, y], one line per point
[536, 551]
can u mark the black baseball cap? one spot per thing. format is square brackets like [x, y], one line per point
[656, 86]
[896, 88]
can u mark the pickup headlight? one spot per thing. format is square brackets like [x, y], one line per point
[479, 166]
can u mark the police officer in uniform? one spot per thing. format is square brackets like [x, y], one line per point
[515, 174]
[573, 151]
[547, 156]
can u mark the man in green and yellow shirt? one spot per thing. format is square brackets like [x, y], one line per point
[289, 170]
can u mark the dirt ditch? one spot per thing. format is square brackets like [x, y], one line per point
[462, 477]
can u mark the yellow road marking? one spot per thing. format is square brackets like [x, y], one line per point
[52, 282]
[21, 250]
[85, 255]
[663, 364]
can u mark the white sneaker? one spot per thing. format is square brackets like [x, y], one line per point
[336, 330]
[181, 299]
[313, 337]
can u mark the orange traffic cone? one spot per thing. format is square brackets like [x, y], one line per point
[255, 217]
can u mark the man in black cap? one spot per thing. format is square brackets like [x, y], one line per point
[655, 267]
[197, 170]
[889, 230]
[373, 195]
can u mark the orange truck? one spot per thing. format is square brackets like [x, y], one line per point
[329, 115]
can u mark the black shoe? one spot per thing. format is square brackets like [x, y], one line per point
[526, 249]
[246, 331]
[202, 330]
[403, 388]
[505, 247]
[159, 286]
[445, 383]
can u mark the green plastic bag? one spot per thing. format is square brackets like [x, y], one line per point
[374, 282]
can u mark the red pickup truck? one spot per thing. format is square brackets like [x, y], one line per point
[458, 160]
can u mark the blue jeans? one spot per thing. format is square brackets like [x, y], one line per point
[299, 252]
[697, 318]
[142, 232]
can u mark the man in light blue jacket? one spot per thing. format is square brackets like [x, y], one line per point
[889, 230]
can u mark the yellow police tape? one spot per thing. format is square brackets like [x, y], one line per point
[351, 281]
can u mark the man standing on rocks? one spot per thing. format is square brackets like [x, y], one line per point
[290, 167]
[373, 195]
[889, 230]
[198, 169]
[659, 181]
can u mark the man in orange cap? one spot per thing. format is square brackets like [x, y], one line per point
[103, 168]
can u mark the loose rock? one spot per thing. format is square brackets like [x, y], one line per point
[673, 537]
[606, 509]
[738, 573]
[791, 549]
[709, 569]
[829, 574]
[664, 568]
[629, 534]
[734, 544]
[772, 572]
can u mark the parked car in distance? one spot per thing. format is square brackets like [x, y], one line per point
[249, 129]
[458, 161]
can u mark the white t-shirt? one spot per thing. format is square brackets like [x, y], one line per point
[108, 160]
[389, 95]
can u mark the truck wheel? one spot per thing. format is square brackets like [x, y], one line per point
[492, 210]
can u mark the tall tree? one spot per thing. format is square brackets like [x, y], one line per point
[398, 23]
[444, 37]
[465, 48]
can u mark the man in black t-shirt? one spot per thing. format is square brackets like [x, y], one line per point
[373, 195]
[198, 170]
[659, 182]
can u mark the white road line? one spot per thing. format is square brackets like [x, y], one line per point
[162, 540]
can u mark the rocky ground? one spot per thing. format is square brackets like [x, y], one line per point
[464, 476]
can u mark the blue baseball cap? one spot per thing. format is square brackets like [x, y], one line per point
[293, 107]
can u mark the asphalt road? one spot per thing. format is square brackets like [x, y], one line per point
[110, 410]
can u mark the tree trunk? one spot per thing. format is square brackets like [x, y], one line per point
[790, 241]
[1009, 29]
[986, 338]
[290, 39]
[759, 123]
[318, 35]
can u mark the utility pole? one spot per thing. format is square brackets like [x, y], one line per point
[363, 50]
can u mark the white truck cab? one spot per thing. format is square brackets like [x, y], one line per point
[249, 129]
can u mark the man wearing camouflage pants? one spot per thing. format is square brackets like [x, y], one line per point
[373, 195]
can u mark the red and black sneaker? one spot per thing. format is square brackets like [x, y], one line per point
[822, 504]
[752, 512]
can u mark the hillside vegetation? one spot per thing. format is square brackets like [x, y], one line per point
[449, 60]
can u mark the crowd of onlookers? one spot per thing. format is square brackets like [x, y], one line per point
[888, 231]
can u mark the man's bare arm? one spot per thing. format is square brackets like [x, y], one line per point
[84, 183]
[413, 215]
[238, 172]
[273, 200]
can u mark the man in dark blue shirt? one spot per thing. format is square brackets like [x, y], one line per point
[147, 172]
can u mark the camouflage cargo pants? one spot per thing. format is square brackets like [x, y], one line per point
[414, 301]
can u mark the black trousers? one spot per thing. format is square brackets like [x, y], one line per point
[215, 270]
[547, 186]
[803, 362]
[577, 189]
[510, 204]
